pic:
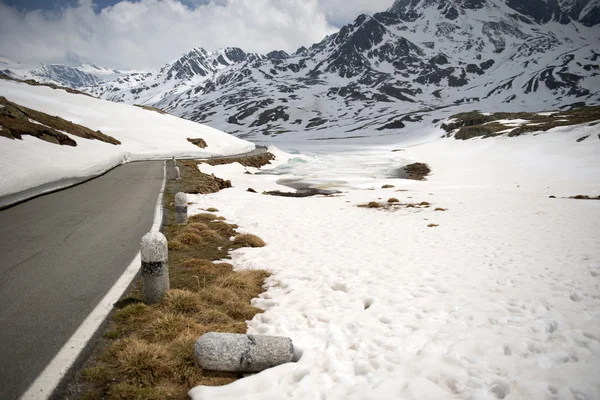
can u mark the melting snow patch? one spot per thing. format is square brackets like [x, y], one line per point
[500, 301]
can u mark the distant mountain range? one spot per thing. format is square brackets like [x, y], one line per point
[381, 73]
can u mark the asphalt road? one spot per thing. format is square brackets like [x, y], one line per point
[59, 255]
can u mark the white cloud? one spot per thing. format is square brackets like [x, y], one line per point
[150, 33]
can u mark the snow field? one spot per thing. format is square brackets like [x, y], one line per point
[144, 135]
[500, 301]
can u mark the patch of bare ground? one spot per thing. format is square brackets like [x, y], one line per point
[195, 182]
[417, 171]
[475, 124]
[33, 82]
[395, 204]
[150, 108]
[584, 197]
[198, 142]
[257, 161]
[17, 121]
[147, 350]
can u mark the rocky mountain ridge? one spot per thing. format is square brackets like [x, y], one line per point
[386, 74]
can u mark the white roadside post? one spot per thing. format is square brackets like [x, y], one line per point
[155, 267]
[181, 209]
[173, 172]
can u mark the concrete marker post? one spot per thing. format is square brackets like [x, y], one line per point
[181, 209]
[155, 267]
[232, 352]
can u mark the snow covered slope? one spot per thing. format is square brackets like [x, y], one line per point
[500, 299]
[62, 75]
[382, 73]
[144, 135]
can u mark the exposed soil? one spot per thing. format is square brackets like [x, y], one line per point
[257, 161]
[198, 142]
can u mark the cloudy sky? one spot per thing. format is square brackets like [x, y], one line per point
[150, 33]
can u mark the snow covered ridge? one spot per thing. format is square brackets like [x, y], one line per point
[144, 135]
[383, 75]
[500, 300]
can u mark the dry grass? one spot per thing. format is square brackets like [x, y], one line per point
[195, 182]
[150, 108]
[393, 200]
[441, 209]
[202, 217]
[212, 210]
[15, 121]
[198, 142]
[248, 240]
[584, 197]
[433, 225]
[417, 171]
[387, 186]
[257, 161]
[150, 347]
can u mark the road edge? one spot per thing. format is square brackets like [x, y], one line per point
[52, 375]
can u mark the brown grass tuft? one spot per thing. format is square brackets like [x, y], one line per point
[393, 200]
[374, 204]
[248, 240]
[176, 245]
[168, 326]
[433, 225]
[441, 209]
[189, 237]
[141, 361]
[387, 186]
[198, 142]
[244, 283]
[417, 171]
[182, 301]
[200, 266]
[212, 210]
[202, 217]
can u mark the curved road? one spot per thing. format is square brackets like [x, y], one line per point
[59, 255]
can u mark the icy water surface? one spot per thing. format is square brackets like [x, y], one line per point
[337, 167]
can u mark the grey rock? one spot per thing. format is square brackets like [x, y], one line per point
[242, 353]
[155, 267]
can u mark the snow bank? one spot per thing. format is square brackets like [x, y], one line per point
[500, 301]
[145, 135]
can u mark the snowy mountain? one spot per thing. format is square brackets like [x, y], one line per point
[173, 79]
[385, 71]
[63, 75]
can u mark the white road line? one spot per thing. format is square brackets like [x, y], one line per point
[51, 376]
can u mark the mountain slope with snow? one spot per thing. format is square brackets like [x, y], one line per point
[84, 75]
[385, 72]
[144, 135]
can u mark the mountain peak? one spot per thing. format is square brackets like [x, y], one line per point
[586, 12]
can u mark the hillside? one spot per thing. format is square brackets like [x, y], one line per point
[82, 136]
